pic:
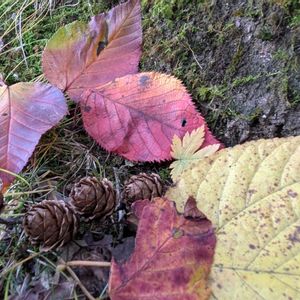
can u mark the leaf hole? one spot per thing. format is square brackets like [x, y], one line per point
[101, 46]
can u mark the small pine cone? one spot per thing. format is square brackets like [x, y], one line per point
[142, 186]
[93, 198]
[51, 223]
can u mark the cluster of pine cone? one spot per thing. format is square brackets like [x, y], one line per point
[53, 223]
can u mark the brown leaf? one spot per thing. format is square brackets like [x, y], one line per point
[59, 291]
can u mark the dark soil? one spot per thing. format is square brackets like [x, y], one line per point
[240, 60]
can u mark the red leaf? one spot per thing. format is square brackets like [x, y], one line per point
[81, 56]
[172, 256]
[137, 115]
[27, 110]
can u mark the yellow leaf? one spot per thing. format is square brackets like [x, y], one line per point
[185, 151]
[251, 193]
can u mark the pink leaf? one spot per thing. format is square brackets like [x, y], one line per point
[137, 116]
[27, 110]
[81, 56]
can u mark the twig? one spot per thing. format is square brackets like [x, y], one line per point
[77, 280]
[118, 186]
[88, 263]
[194, 56]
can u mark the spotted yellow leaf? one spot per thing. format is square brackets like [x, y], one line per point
[251, 193]
[185, 151]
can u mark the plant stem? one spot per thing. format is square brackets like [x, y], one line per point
[88, 263]
[77, 280]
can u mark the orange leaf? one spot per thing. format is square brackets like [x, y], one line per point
[172, 257]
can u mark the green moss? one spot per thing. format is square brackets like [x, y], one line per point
[292, 9]
[169, 10]
[295, 19]
[294, 98]
[209, 93]
[281, 55]
[254, 115]
[266, 33]
[284, 85]
[236, 59]
[223, 33]
[164, 174]
[244, 80]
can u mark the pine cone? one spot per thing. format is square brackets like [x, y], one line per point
[51, 223]
[142, 186]
[93, 198]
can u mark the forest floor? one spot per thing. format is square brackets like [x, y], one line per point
[239, 59]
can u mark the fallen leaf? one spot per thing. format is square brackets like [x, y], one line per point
[120, 248]
[93, 278]
[191, 210]
[137, 116]
[172, 256]
[185, 151]
[1, 201]
[64, 290]
[81, 56]
[27, 110]
[251, 193]
[123, 250]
